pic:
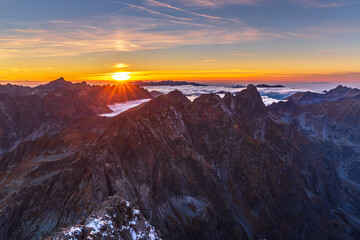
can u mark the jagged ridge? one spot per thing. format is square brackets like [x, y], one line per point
[215, 168]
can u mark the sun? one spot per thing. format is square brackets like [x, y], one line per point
[121, 76]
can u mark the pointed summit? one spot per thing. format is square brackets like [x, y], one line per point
[61, 79]
[251, 87]
[250, 96]
[58, 83]
[172, 99]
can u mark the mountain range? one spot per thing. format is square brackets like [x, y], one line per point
[166, 83]
[27, 113]
[214, 168]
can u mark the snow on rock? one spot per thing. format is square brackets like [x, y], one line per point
[114, 219]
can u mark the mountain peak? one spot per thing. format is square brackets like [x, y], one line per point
[158, 104]
[61, 79]
[59, 82]
[55, 84]
[250, 94]
[176, 94]
[251, 87]
[174, 97]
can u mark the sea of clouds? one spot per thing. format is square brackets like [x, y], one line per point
[268, 95]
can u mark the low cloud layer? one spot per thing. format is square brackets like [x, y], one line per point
[269, 95]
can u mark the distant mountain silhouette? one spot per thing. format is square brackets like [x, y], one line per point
[166, 83]
[269, 86]
[338, 93]
[260, 86]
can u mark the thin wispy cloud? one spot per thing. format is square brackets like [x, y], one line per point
[304, 3]
[128, 33]
[121, 65]
[217, 3]
[160, 4]
[321, 3]
[209, 59]
[157, 13]
[327, 51]
[242, 54]
[116, 33]
[325, 31]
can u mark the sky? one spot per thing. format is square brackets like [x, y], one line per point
[203, 40]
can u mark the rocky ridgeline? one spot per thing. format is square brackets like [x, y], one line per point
[338, 93]
[214, 168]
[29, 113]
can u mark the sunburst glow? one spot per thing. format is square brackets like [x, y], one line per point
[121, 76]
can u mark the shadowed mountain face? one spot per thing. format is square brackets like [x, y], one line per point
[332, 121]
[214, 168]
[28, 113]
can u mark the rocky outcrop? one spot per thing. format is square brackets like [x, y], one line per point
[114, 219]
[213, 168]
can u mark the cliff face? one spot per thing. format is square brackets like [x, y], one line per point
[214, 168]
[28, 113]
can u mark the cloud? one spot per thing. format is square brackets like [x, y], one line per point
[324, 31]
[23, 69]
[209, 59]
[321, 3]
[121, 65]
[217, 3]
[242, 54]
[327, 51]
[132, 33]
[122, 107]
[160, 4]
[304, 3]
[118, 33]
[157, 13]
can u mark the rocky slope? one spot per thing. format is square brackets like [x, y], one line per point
[333, 121]
[28, 113]
[214, 168]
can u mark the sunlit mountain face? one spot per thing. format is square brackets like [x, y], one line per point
[192, 119]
